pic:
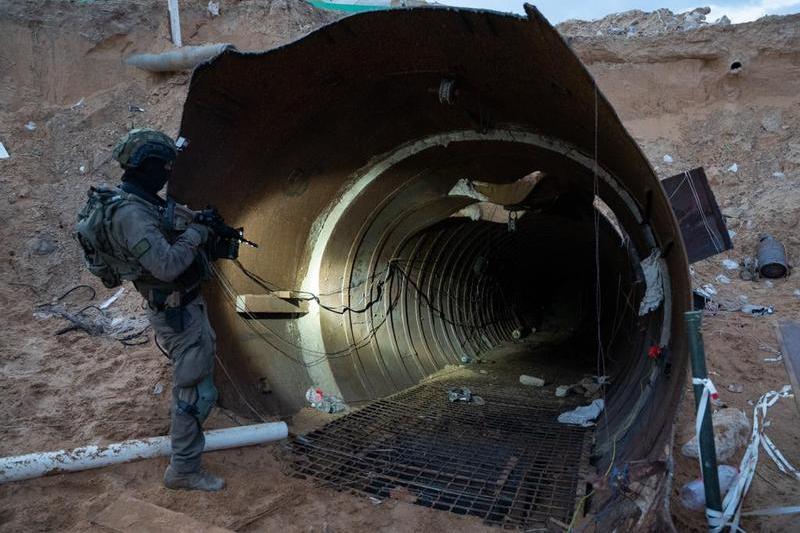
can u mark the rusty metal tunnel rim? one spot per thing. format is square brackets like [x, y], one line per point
[377, 73]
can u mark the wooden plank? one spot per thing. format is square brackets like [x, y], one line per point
[789, 338]
[269, 304]
[128, 515]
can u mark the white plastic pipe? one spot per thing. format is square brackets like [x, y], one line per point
[39, 464]
[185, 58]
[175, 22]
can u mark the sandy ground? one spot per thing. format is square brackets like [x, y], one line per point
[60, 69]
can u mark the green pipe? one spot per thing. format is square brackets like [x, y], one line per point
[348, 8]
[708, 451]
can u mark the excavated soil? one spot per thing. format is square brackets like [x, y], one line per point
[66, 97]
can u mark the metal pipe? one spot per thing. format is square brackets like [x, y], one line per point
[186, 58]
[708, 451]
[39, 464]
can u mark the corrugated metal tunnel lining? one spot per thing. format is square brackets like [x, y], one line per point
[338, 154]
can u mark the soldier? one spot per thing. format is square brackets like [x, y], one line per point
[167, 268]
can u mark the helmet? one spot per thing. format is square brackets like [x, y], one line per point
[141, 143]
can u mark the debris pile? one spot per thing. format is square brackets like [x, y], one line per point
[635, 23]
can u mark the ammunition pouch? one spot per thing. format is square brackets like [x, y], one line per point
[172, 304]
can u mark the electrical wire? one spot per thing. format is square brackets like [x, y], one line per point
[76, 287]
[231, 296]
[313, 297]
[264, 332]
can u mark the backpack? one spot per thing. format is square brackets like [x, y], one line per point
[93, 233]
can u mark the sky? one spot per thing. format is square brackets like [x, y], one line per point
[559, 10]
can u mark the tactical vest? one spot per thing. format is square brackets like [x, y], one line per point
[112, 263]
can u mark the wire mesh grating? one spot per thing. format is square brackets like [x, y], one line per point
[507, 461]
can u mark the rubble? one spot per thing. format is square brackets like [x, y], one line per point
[636, 23]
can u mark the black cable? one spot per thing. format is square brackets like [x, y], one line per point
[313, 297]
[345, 352]
[94, 292]
[439, 312]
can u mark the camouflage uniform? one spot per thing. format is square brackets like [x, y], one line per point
[165, 264]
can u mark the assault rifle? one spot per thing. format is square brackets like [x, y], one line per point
[223, 243]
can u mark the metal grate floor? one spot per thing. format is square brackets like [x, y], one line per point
[508, 461]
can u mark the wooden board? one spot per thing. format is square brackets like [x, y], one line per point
[282, 303]
[789, 337]
[129, 515]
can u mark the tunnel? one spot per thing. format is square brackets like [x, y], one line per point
[429, 186]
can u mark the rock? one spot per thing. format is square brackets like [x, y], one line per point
[563, 390]
[668, 159]
[30, 126]
[772, 121]
[730, 264]
[733, 212]
[779, 175]
[587, 386]
[722, 278]
[41, 246]
[736, 388]
[533, 381]
[731, 432]
[723, 21]
[733, 168]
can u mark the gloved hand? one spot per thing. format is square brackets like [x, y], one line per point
[211, 218]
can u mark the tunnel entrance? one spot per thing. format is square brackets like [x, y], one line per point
[476, 302]
[342, 154]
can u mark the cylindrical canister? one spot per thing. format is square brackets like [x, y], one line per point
[772, 258]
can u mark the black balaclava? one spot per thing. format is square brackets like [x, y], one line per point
[150, 176]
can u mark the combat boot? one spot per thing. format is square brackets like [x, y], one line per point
[199, 480]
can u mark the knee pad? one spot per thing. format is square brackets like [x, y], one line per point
[206, 398]
[198, 401]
